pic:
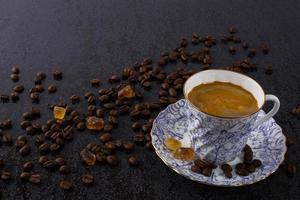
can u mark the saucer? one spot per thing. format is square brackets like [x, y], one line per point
[267, 142]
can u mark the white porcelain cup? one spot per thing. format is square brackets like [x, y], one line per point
[219, 139]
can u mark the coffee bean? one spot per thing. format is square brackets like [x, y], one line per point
[147, 84]
[57, 75]
[126, 72]
[39, 88]
[7, 139]
[24, 175]
[228, 174]
[136, 126]
[133, 160]
[66, 185]
[114, 79]
[80, 126]
[240, 166]
[35, 97]
[43, 148]
[251, 52]
[245, 45]
[35, 112]
[108, 128]
[15, 70]
[30, 130]
[265, 48]
[6, 176]
[269, 69]
[95, 82]
[14, 96]
[118, 143]
[101, 157]
[88, 157]
[64, 169]
[250, 168]
[52, 89]
[54, 147]
[226, 167]
[40, 75]
[172, 92]
[256, 163]
[248, 156]
[183, 42]
[196, 169]
[105, 137]
[207, 171]
[25, 150]
[27, 116]
[112, 160]
[149, 146]
[87, 179]
[232, 30]
[110, 145]
[42, 160]
[18, 88]
[127, 145]
[21, 141]
[49, 164]
[139, 138]
[35, 178]
[242, 172]
[14, 77]
[25, 124]
[232, 50]
[203, 164]
[28, 166]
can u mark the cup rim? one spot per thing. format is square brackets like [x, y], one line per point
[241, 117]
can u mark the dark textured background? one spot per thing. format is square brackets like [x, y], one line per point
[89, 38]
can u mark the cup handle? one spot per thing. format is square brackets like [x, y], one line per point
[272, 112]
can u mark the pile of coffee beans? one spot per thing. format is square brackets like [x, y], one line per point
[124, 97]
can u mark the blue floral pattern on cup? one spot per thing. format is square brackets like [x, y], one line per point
[177, 120]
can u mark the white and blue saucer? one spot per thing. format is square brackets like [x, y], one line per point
[267, 142]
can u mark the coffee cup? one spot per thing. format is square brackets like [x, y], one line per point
[221, 139]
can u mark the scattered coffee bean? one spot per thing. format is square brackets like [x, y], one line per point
[112, 160]
[196, 169]
[49, 164]
[57, 75]
[251, 53]
[64, 169]
[28, 166]
[25, 150]
[24, 175]
[35, 178]
[269, 69]
[6, 176]
[15, 70]
[265, 48]
[87, 179]
[75, 99]
[18, 88]
[105, 137]
[232, 50]
[256, 163]
[52, 88]
[242, 172]
[14, 77]
[66, 185]
[207, 171]
[133, 160]
[95, 82]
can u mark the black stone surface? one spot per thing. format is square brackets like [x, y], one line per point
[90, 38]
